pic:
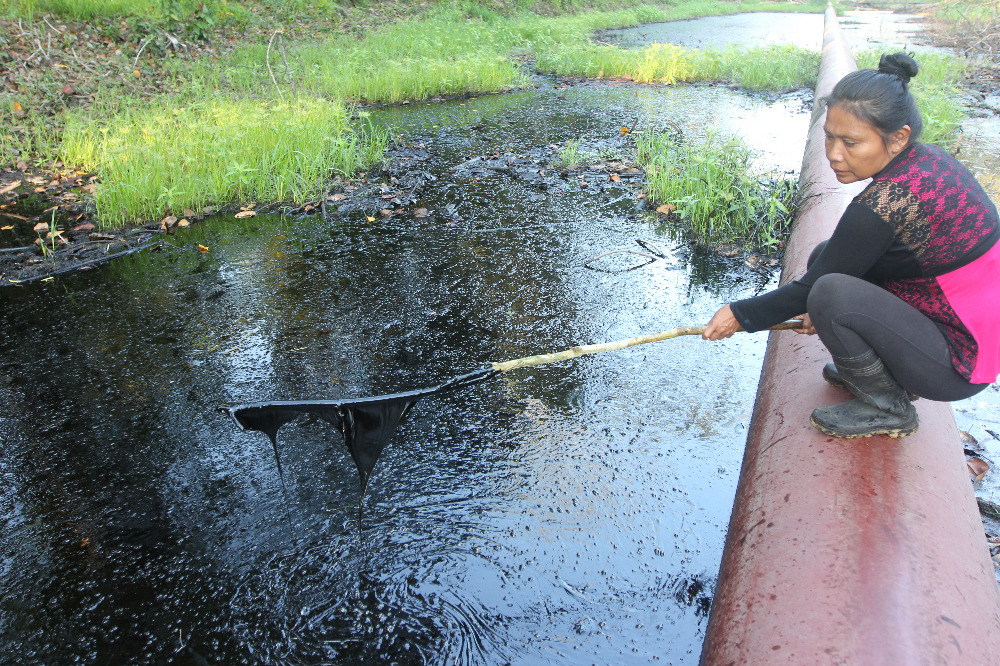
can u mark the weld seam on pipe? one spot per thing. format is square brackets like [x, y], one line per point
[861, 551]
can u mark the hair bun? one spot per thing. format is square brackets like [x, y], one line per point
[899, 65]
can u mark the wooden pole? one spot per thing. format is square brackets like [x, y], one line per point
[541, 359]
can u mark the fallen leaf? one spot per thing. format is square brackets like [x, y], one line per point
[386, 212]
[86, 226]
[336, 197]
[421, 212]
[728, 250]
[666, 209]
[977, 468]
[246, 213]
[189, 213]
[67, 89]
[168, 222]
[968, 440]
[203, 248]
[615, 177]
[10, 186]
[370, 218]
[41, 227]
[7, 228]
[183, 224]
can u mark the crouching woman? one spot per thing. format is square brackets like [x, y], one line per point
[906, 292]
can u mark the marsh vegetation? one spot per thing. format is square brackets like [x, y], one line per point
[179, 122]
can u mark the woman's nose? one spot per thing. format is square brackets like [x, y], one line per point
[832, 152]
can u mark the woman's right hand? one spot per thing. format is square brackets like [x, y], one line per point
[722, 325]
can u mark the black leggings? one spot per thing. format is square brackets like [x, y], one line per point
[853, 315]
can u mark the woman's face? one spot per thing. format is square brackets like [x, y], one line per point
[855, 149]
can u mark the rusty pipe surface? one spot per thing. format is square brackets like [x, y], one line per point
[860, 551]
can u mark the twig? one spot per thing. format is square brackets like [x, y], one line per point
[135, 63]
[288, 73]
[82, 63]
[33, 53]
[567, 354]
[12, 250]
[50, 25]
[267, 60]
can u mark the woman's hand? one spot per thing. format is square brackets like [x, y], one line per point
[807, 325]
[722, 325]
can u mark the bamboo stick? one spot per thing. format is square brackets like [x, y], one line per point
[541, 359]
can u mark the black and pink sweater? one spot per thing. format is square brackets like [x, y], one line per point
[924, 230]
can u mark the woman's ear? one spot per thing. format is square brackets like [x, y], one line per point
[899, 139]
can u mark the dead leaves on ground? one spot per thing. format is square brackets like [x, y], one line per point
[977, 468]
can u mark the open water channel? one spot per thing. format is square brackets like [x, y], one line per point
[567, 514]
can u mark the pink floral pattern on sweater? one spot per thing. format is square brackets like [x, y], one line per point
[942, 215]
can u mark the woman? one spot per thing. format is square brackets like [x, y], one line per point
[906, 292]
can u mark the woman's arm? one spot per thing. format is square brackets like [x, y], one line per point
[858, 242]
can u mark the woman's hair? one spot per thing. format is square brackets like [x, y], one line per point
[881, 98]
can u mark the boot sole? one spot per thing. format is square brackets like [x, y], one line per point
[895, 433]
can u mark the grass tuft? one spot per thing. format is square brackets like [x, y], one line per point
[158, 160]
[714, 189]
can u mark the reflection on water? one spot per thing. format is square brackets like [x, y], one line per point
[568, 510]
[862, 28]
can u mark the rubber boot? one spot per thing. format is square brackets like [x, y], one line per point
[833, 378]
[880, 407]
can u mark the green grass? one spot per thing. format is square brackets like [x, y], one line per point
[171, 156]
[716, 192]
[79, 9]
[760, 68]
[85, 10]
[162, 155]
[468, 48]
[443, 54]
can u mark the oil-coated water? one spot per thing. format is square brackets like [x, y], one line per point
[567, 512]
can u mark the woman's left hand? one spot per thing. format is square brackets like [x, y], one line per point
[807, 325]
